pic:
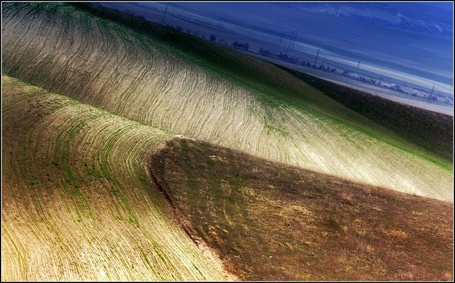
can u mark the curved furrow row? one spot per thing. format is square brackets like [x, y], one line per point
[386, 166]
[164, 86]
[78, 201]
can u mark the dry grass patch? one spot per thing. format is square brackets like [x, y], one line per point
[270, 221]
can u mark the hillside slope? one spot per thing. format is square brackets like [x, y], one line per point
[77, 200]
[426, 128]
[270, 221]
[177, 83]
[88, 195]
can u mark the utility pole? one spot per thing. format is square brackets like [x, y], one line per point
[279, 44]
[290, 42]
[164, 16]
[316, 57]
[293, 41]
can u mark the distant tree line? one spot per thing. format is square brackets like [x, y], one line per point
[245, 46]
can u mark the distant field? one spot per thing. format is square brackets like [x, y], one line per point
[431, 130]
[389, 48]
[365, 87]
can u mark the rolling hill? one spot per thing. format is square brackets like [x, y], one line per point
[93, 99]
[77, 203]
[177, 83]
[270, 221]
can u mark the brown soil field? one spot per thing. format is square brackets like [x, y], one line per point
[271, 221]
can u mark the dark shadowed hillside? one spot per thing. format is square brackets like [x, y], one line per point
[270, 221]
